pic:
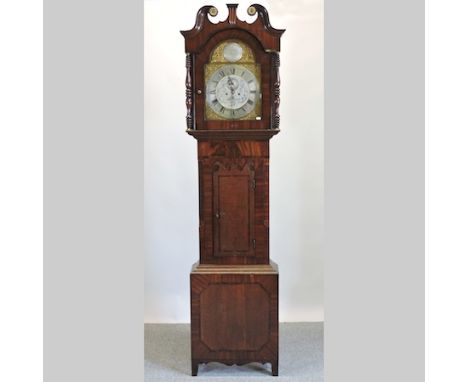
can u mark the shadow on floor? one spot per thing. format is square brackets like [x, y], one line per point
[167, 356]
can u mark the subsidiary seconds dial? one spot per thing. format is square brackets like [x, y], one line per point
[232, 91]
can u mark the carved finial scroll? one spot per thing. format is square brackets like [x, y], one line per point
[189, 91]
[204, 28]
[213, 11]
[275, 62]
[251, 10]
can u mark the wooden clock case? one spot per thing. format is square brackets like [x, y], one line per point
[234, 286]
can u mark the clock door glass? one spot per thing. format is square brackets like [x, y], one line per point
[232, 83]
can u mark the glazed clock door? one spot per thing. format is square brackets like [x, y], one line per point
[234, 210]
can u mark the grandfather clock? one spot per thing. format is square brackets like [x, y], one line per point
[232, 98]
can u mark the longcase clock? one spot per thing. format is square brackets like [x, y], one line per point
[232, 99]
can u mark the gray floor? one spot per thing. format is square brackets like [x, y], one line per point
[167, 356]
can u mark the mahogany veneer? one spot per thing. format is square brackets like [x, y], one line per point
[234, 287]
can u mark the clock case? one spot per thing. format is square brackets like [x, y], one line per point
[234, 286]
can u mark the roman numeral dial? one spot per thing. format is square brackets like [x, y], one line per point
[232, 91]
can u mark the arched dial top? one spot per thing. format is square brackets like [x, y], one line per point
[232, 83]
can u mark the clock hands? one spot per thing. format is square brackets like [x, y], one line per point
[232, 86]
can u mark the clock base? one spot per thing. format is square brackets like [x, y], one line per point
[196, 363]
[234, 314]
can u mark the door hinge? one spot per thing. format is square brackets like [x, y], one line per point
[253, 184]
[254, 243]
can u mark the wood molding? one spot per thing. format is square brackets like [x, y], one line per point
[271, 268]
[233, 135]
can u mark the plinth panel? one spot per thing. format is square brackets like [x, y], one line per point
[234, 314]
[234, 317]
